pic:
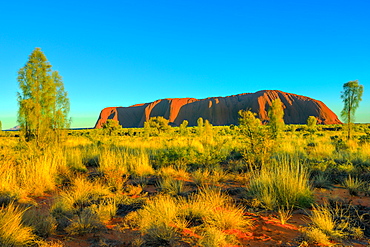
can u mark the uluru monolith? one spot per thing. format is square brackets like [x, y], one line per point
[221, 110]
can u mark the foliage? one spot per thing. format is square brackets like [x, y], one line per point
[111, 126]
[281, 183]
[95, 177]
[42, 222]
[200, 126]
[257, 142]
[206, 212]
[156, 125]
[12, 230]
[276, 115]
[311, 124]
[285, 213]
[43, 103]
[354, 185]
[183, 127]
[171, 186]
[331, 222]
[84, 222]
[351, 96]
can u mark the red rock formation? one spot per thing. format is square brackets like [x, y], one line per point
[221, 110]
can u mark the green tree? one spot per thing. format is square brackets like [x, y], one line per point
[257, 144]
[43, 102]
[183, 127]
[249, 124]
[111, 126]
[276, 115]
[200, 126]
[351, 96]
[156, 125]
[311, 124]
[208, 130]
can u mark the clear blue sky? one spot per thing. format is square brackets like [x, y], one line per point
[120, 53]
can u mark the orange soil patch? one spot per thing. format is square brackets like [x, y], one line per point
[340, 194]
[266, 229]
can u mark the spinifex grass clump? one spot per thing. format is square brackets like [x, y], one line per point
[12, 230]
[331, 223]
[82, 207]
[158, 220]
[74, 160]
[283, 182]
[125, 160]
[41, 221]
[31, 171]
[164, 218]
[354, 185]
[171, 185]
[85, 221]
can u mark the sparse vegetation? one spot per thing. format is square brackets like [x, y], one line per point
[206, 187]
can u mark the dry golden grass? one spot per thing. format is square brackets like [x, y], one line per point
[178, 180]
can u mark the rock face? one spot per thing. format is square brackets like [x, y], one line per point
[221, 110]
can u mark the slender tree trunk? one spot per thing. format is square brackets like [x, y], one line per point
[349, 123]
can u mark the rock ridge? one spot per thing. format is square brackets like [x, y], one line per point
[220, 110]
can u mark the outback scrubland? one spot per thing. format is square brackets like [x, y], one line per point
[246, 185]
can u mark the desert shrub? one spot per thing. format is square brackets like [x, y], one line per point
[354, 185]
[111, 127]
[112, 159]
[333, 222]
[215, 209]
[163, 217]
[282, 182]
[31, 171]
[12, 231]
[41, 221]
[257, 143]
[85, 221]
[124, 160]
[156, 126]
[196, 154]
[285, 213]
[84, 193]
[214, 237]
[90, 155]
[62, 213]
[74, 160]
[157, 220]
[321, 180]
[183, 130]
[201, 176]
[311, 124]
[317, 236]
[172, 171]
[139, 163]
[171, 186]
[179, 157]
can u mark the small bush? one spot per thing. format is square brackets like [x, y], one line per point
[354, 185]
[333, 222]
[86, 221]
[12, 230]
[280, 183]
[43, 223]
[171, 186]
[214, 237]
